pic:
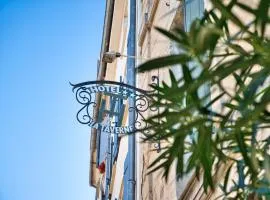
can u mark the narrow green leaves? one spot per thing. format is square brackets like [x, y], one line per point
[206, 130]
[164, 62]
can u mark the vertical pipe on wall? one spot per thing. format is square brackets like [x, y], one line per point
[108, 167]
[131, 50]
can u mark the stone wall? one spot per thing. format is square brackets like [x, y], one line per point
[152, 45]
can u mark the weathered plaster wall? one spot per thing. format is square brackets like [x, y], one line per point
[153, 44]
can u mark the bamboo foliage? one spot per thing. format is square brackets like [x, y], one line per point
[207, 137]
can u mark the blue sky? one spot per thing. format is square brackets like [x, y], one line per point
[44, 44]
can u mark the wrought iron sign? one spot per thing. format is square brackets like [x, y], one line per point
[114, 103]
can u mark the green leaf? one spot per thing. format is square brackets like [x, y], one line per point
[158, 167]
[207, 38]
[246, 8]
[187, 122]
[160, 158]
[263, 15]
[227, 13]
[226, 179]
[180, 38]
[172, 78]
[238, 49]
[188, 80]
[164, 62]
[218, 97]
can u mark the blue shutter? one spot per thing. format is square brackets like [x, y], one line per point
[194, 9]
[103, 145]
[115, 141]
[115, 137]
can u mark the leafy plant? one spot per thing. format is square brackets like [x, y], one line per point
[200, 136]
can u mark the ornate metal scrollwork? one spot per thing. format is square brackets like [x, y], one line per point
[142, 104]
[155, 80]
[84, 97]
[85, 93]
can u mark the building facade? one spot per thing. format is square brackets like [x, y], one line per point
[109, 153]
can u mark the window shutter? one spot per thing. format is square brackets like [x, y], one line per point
[115, 137]
[194, 9]
[103, 146]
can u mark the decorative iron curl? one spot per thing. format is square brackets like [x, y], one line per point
[84, 97]
[155, 80]
[82, 117]
[142, 103]
[142, 98]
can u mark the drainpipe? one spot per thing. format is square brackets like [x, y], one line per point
[131, 51]
[108, 167]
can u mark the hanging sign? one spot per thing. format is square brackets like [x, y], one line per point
[113, 105]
